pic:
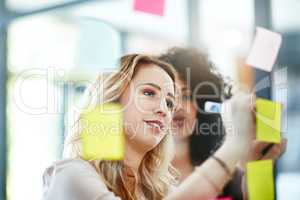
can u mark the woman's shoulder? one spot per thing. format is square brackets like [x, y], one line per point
[65, 165]
[67, 172]
[73, 179]
[68, 169]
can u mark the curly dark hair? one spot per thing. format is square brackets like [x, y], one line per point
[195, 68]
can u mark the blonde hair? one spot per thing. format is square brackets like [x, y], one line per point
[155, 173]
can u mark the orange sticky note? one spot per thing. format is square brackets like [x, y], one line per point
[155, 7]
[102, 133]
[260, 180]
[268, 121]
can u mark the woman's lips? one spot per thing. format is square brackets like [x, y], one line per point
[155, 124]
[178, 121]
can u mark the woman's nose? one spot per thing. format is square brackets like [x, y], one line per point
[179, 105]
[161, 109]
[160, 112]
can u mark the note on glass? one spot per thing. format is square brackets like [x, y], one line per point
[224, 198]
[102, 133]
[155, 7]
[264, 49]
[268, 121]
[260, 180]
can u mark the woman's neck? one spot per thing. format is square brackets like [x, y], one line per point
[182, 160]
[133, 157]
[132, 160]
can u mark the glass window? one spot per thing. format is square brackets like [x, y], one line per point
[48, 56]
[63, 42]
[34, 132]
[171, 26]
[28, 5]
[226, 30]
[285, 15]
[150, 45]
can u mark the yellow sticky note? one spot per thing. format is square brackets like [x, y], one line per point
[268, 121]
[102, 133]
[260, 180]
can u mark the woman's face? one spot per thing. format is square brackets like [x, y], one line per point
[184, 118]
[148, 107]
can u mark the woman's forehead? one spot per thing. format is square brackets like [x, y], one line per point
[181, 86]
[154, 75]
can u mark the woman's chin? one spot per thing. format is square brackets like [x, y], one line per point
[152, 140]
[147, 139]
[180, 135]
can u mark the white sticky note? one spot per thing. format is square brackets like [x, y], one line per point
[264, 49]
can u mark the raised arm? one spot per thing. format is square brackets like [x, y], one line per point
[209, 179]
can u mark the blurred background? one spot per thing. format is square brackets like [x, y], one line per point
[51, 49]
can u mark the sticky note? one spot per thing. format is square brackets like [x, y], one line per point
[260, 180]
[102, 133]
[155, 7]
[224, 198]
[264, 50]
[268, 121]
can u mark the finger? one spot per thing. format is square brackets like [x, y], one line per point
[265, 150]
[273, 153]
[259, 146]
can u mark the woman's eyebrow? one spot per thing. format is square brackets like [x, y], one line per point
[157, 87]
[186, 91]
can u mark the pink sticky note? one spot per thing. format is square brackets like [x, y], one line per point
[155, 7]
[264, 50]
[224, 198]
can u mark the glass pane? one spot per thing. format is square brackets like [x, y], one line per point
[288, 167]
[285, 19]
[42, 42]
[46, 54]
[286, 16]
[34, 133]
[171, 26]
[149, 45]
[226, 30]
[21, 5]
[63, 42]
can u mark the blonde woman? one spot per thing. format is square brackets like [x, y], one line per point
[146, 171]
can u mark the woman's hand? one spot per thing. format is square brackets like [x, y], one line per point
[257, 147]
[239, 121]
[273, 153]
[207, 181]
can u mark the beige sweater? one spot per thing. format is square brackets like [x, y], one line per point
[74, 179]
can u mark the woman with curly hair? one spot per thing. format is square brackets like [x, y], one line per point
[199, 133]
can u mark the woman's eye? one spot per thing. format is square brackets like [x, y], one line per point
[170, 104]
[148, 93]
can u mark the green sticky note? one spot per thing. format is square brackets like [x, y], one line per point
[260, 180]
[102, 133]
[268, 121]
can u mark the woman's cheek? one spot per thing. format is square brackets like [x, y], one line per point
[192, 125]
[169, 119]
[144, 104]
